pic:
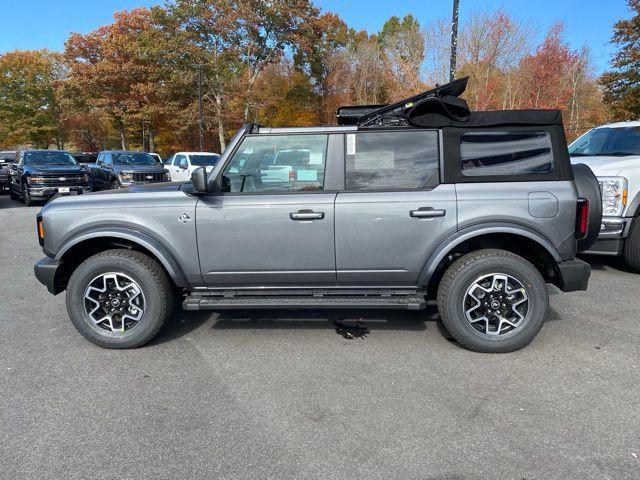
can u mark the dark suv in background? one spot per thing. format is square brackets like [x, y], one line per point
[117, 169]
[41, 174]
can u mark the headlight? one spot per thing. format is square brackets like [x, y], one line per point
[126, 177]
[614, 195]
[85, 178]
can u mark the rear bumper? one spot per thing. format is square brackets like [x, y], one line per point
[574, 275]
[46, 271]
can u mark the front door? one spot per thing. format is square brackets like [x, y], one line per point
[273, 224]
[394, 210]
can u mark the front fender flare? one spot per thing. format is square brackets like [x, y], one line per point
[146, 241]
[443, 249]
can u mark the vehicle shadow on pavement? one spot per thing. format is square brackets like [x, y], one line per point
[324, 319]
[180, 324]
[603, 262]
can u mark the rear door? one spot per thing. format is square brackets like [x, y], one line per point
[267, 231]
[393, 210]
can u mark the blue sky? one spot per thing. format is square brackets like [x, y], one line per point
[31, 24]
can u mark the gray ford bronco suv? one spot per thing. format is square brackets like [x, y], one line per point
[396, 206]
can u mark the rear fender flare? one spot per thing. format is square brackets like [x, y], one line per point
[149, 243]
[443, 249]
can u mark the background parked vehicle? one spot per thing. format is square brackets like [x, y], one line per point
[613, 153]
[117, 169]
[6, 159]
[86, 158]
[182, 164]
[420, 199]
[41, 174]
[157, 157]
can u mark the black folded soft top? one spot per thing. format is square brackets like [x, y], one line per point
[441, 107]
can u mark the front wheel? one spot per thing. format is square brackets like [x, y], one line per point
[119, 299]
[115, 185]
[26, 196]
[492, 301]
[632, 246]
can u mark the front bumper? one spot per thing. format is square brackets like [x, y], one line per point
[613, 232]
[46, 271]
[45, 191]
[574, 275]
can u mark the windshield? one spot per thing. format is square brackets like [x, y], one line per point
[607, 141]
[134, 158]
[204, 160]
[49, 158]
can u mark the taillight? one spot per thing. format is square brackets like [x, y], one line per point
[292, 176]
[582, 218]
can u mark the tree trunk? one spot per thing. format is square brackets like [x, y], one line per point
[152, 139]
[123, 137]
[223, 144]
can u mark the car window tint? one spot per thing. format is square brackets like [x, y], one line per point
[392, 160]
[506, 153]
[277, 163]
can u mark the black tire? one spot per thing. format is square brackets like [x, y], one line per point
[26, 196]
[463, 273]
[12, 194]
[115, 185]
[153, 282]
[632, 246]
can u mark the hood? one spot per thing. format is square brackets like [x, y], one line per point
[611, 166]
[154, 194]
[54, 169]
[140, 168]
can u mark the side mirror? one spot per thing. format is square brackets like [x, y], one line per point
[199, 180]
[183, 166]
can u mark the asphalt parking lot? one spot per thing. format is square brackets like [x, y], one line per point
[281, 395]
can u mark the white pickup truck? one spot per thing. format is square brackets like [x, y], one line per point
[613, 153]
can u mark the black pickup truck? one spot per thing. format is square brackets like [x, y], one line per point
[6, 159]
[41, 174]
[117, 169]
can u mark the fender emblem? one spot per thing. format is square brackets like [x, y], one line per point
[184, 218]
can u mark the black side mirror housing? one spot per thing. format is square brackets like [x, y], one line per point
[199, 180]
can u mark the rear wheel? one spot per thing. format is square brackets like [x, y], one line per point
[115, 185]
[119, 299]
[12, 194]
[632, 246]
[492, 301]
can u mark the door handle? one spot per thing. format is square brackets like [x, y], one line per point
[306, 215]
[427, 212]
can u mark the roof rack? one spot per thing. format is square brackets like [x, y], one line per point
[442, 100]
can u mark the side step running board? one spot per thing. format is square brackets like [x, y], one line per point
[199, 301]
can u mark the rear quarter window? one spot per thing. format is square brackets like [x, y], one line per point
[506, 153]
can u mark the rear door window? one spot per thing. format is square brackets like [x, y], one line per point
[392, 160]
[506, 153]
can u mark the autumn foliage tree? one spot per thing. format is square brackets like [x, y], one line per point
[134, 82]
[30, 112]
[622, 83]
